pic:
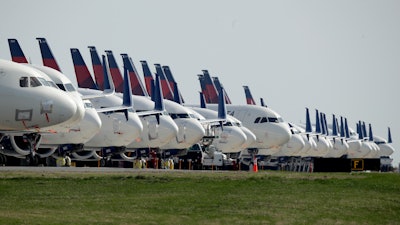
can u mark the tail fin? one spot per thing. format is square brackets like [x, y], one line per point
[389, 136]
[206, 96]
[17, 55]
[172, 82]
[148, 78]
[115, 73]
[308, 122]
[218, 86]
[158, 96]
[177, 96]
[167, 91]
[97, 68]
[210, 87]
[83, 76]
[47, 55]
[249, 96]
[136, 83]
[202, 101]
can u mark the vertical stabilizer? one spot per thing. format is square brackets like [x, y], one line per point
[148, 78]
[136, 83]
[115, 73]
[83, 76]
[249, 96]
[218, 86]
[97, 67]
[203, 88]
[47, 55]
[172, 82]
[167, 91]
[177, 96]
[17, 55]
[210, 87]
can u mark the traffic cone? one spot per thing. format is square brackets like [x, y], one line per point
[255, 166]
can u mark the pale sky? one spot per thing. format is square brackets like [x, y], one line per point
[340, 57]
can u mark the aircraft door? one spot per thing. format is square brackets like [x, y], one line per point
[116, 126]
[181, 133]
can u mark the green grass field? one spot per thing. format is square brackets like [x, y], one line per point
[139, 197]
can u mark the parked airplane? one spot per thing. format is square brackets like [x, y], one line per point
[33, 108]
[78, 133]
[158, 126]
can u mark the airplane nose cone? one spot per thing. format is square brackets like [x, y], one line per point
[168, 129]
[386, 150]
[250, 137]
[231, 139]
[61, 108]
[135, 124]
[279, 134]
[90, 125]
[194, 131]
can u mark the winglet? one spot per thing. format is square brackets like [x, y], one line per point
[334, 126]
[308, 122]
[108, 83]
[127, 95]
[359, 131]
[202, 101]
[317, 122]
[371, 136]
[364, 129]
[324, 124]
[342, 132]
[83, 76]
[47, 55]
[262, 102]
[221, 104]
[218, 86]
[158, 96]
[17, 55]
[97, 67]
[389, 136]
[346, 128]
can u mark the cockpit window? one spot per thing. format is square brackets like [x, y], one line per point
[88, 105]
[70, 87]
[257, 120]
[29, 82]
[264, 120]
[273, 119]
[61, 86]
[24, 82]
[179, 115]
[35, 82]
